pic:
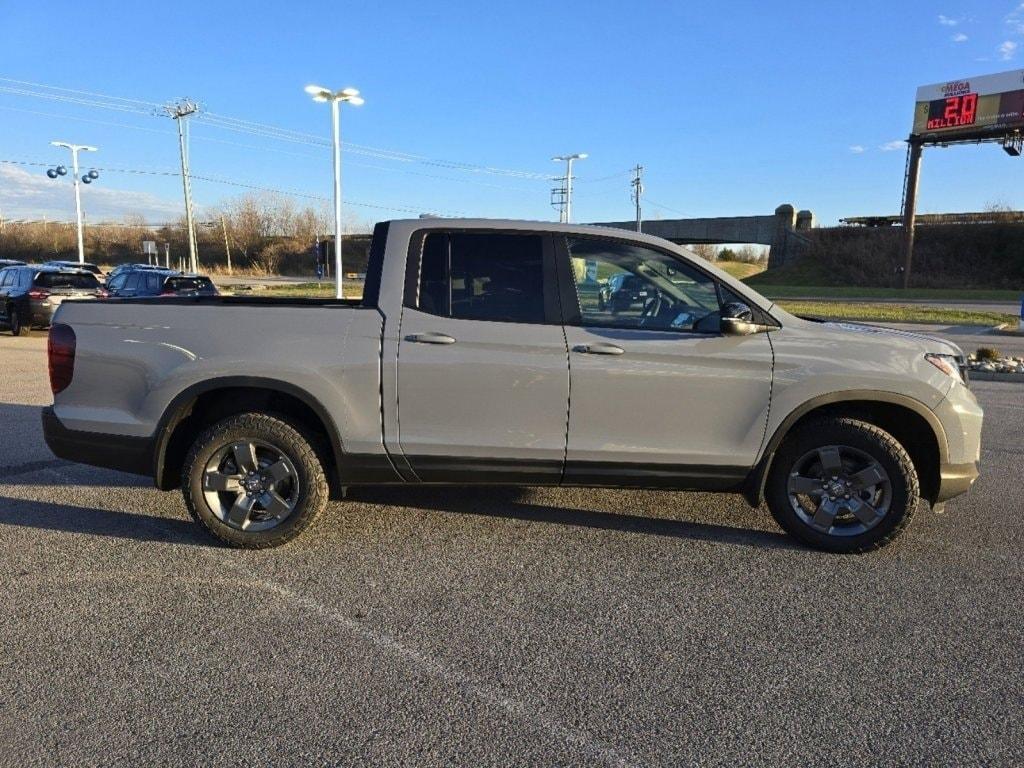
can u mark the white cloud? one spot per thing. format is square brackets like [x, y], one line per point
[946, 21]
[28, 195]
[857, 149]
[959, 37]
[1007, 49]
[892, 146]
[1015, 19]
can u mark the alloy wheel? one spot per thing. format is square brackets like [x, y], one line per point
[839, 490]
[251, 485]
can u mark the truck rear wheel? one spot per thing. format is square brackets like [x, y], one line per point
[254, 481]
[842, 485]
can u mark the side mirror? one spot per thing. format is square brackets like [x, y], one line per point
[738, 320]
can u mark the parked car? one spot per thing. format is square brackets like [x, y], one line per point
[143, 283]
[84, 266]
[29, 295]
[625, 291]
[457, 364]
[121, 268]
[10, 263]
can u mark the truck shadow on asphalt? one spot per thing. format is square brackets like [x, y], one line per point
[504, 503]
[510, 503]
[71, 518]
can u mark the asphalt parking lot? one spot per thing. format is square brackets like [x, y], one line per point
[499, 627]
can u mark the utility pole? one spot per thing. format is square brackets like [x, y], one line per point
[638, 191]
[75, 149]
[167, 255]
[566, 210]
[227, 248]
[179, 113]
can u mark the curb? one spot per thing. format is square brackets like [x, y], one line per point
[1014, 378]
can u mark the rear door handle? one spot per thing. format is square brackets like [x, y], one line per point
[599, 349]
[430, 338]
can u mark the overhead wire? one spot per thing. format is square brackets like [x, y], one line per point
[404, 207]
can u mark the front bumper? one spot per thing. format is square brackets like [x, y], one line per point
[120, 452]
[955, 479]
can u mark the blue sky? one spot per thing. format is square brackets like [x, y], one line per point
[732, 107]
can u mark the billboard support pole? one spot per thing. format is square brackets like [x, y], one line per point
[910, 205]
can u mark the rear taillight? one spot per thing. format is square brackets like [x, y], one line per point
[61, 353]
[38, 293]
[168, 293]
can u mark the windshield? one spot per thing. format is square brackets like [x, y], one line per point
[76, 280]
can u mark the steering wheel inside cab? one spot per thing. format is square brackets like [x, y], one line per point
[663, 312]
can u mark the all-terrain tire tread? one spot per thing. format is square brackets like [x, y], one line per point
[302, 452]
[812, 432]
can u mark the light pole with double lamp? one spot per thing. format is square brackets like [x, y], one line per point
[351, 95]
[91, 176]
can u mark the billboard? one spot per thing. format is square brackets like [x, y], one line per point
[971, 107]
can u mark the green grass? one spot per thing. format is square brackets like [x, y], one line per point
[894, 313]
[857, 292]
[740, 270]
[323, 290]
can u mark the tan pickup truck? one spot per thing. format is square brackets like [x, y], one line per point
[515, 352]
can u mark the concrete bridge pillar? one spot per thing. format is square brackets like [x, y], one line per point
[785, 223]
[804, 220]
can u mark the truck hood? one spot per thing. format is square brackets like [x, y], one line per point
[927, 342]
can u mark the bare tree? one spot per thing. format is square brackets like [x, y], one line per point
[706, 251]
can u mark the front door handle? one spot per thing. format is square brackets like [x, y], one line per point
[599, 349]
[430, 338]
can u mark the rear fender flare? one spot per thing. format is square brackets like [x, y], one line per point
[181, 405]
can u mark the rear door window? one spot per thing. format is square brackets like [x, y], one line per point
[85, 281]
[153, 284]
[483, 276]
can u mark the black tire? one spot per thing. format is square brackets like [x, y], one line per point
[14, 321]
[861, 439]
[267, 433]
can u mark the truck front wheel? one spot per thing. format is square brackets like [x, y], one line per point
[842, 485]
[254, 481]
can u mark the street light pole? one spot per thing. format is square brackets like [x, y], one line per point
[75, 149]
[567, 159]
[336, 137]
[351, 95]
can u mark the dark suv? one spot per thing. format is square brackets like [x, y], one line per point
[30, 295]
[122, 268]
[84, 266]
[625, 291]
[164, 282]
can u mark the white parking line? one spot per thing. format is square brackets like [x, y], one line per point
[528, 710]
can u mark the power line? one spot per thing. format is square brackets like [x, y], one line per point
[138, 106]
[83, 93]
[665, 207]
[404, 207]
